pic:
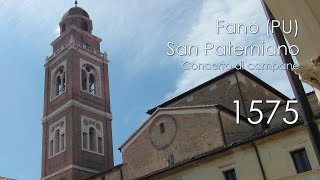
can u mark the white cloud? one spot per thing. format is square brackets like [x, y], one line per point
[146, 24]
[231, 11]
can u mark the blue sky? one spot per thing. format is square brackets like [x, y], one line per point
[135, 34]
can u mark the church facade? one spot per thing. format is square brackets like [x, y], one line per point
[192, 136]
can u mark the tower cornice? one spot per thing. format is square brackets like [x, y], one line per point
[81, 47]
[78, 104]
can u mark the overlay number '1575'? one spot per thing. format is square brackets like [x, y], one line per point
[276, 106]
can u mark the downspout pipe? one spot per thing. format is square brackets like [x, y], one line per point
[221, 126]
[121, 173]
[259, 160]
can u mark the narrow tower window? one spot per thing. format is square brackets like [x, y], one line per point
[58, 85]
[63, 86]
[92, 137]
[90, 79]
[51, 147]
[85, 140]
[100, 145]
[84, 79]
[63, 28]
[57, 141]
[59, 81]
[85, 26]
[92, 84]
[57, 138]
[62, 142]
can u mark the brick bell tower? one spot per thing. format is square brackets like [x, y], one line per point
[77, 137]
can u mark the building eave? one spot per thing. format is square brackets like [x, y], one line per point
[218, 107]
[215, 151]
[244, 72]
[115, 168]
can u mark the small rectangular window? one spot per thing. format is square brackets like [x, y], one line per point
[51, 147]
[99, 145]
[62, 142]
[301, 160]
[85, 140]
[230, 175]
[84, 79]
[170, 159]
[162, 128]
[63, 28]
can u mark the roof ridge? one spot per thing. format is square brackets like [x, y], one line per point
[243, 71]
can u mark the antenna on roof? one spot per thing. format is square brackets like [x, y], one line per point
[76, 3]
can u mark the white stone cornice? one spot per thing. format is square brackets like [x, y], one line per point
[80, 47]
[77, 104]
[102, 60]
[49, 63]
[71, 166]
[106, 61]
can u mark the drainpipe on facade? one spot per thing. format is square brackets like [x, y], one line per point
[220, 121]
[121, 174]
[259, 160]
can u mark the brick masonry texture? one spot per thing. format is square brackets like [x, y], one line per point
[196, 133]
[236, 86]
[186, 133]
[73, 154]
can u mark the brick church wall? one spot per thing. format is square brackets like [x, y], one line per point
[196, 134]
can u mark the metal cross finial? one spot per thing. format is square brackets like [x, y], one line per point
[76, 3]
